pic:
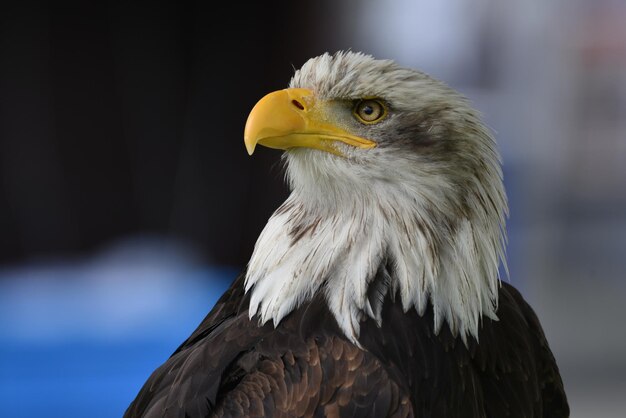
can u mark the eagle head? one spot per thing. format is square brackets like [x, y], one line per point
[396, 194]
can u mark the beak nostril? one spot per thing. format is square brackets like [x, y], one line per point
[297, 104]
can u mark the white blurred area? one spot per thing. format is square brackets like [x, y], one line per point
[131, 285]
[550, 78]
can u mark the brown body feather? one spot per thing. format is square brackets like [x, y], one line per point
[231, 367]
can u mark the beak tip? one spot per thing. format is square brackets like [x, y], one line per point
[250, 147]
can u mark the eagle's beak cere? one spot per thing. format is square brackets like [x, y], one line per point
[293, 118]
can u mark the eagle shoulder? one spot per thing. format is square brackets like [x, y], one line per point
[231, 366]
[324, 376]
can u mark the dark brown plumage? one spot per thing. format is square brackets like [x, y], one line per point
[232, 367]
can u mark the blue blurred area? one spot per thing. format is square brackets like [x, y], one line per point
[79, 339]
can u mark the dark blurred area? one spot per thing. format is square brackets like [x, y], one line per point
[119, 119]
[128, 202]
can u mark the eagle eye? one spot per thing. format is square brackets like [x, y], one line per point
[369, 111]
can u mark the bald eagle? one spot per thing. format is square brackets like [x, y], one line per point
[373, 291]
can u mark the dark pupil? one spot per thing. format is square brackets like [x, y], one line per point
[368, 110]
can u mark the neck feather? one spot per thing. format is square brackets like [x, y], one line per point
[307, 248]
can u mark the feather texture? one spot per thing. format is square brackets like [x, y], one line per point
[232, 367]
[429, 198]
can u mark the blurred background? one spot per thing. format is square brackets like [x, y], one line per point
[128, 202]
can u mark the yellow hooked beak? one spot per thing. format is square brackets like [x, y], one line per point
[290, 118]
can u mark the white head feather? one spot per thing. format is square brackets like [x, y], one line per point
[427, 206]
